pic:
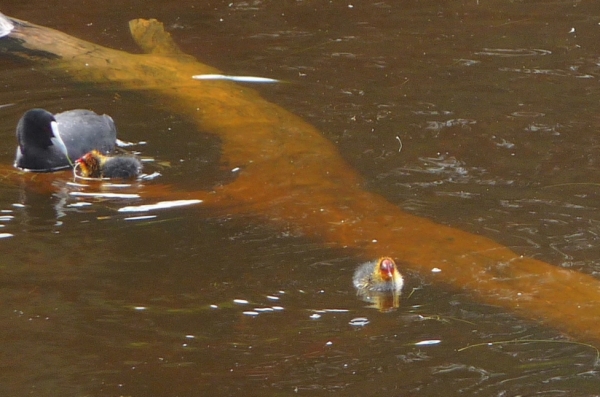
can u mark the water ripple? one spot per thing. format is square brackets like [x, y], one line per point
[548, 72]
[513, 52]
[439, 125]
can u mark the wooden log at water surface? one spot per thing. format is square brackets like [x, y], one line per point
[295, 179]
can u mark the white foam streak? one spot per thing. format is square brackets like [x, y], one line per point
[159, 206]
[105, 195]
[237, 79]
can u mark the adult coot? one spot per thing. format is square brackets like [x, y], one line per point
[48, 142]
[95, 165]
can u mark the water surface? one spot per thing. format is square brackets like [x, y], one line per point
[479, 115]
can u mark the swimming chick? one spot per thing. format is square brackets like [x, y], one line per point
[379, 276]
[96, 165]
[47, 142]
[380, 283]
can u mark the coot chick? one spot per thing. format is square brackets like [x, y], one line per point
[379, 283]
[381, 275]
[96, 165]
[40, 134]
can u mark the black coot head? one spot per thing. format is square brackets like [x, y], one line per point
[41, 147]
[35, 129]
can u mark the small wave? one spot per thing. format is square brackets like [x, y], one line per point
[282, 33]
[548, 72]
[538, 127]
[513, 52]
[439, 125]
[528, 114]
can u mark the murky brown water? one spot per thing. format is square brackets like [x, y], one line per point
[495, 105]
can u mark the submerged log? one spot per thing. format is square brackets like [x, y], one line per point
[293, 178]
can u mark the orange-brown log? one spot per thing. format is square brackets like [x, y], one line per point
[294, 178]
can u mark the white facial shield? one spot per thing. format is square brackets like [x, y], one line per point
[58, 142]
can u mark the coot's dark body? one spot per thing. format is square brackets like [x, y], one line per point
[81, 131]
